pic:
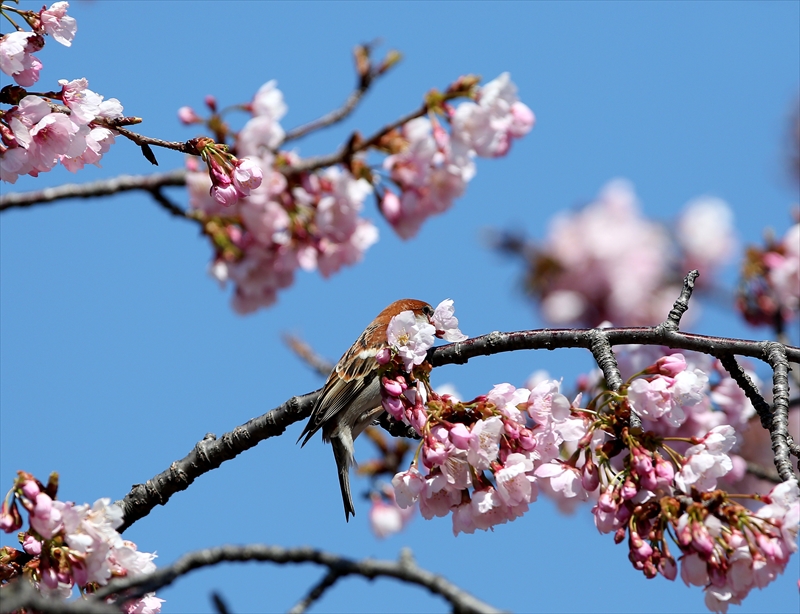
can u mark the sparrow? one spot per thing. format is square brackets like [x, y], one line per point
[351, 398]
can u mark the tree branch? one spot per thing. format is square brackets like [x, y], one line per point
[316, 592]
[212, 452]
[21, 595]
[209, 454]
[779, 427]
[366, 76]
[95, 189]
[353, 146]
[405, 570]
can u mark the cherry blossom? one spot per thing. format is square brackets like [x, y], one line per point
[58, 24]
[488, 125]
[412, 338]
[446, 323]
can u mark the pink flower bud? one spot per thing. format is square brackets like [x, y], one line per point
[394, 406]
[460, 436]
[668, 568]
[383, 356]
[701, 538]
[629, 489]
[187, 116]
[211, 103]
[247, 175]
[392, 387]
[417, 418]
[390, 207]
[511, 429]
[80, 574]
[49, 577]
[641, 463]
[32, 546]
[664, 470]
[669, 365]
[640, 549]
[225, 196]
[30, 489]
[433, 453]
[526, 439]
[606, 501]
[590, 478]
[10, 519]
[619, 535]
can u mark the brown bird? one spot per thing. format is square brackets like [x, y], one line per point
[351, 398]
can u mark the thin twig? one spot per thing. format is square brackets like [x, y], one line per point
[310, 164]
[744, 382]
[219, 603]
[763, 473]
[403, 570]
[316, 592]
[682, 303]
[322, 366]
[366, 76]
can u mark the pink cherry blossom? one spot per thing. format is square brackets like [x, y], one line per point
[486, 442]
[514, 484]
[58, 24]
[707, 461]
[623, 281]
[430, 173]
[411, 336]
[407, 486]
[17, 59]
[446, 323]
[488, 125]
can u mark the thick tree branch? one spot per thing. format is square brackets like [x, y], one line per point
[21, 595]
[212, 452]
[405, 570]
[779, 428]
[95, 189]
[209, 454]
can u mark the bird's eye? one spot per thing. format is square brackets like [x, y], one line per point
[428, 311]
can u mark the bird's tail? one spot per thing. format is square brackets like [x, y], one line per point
[344, 458]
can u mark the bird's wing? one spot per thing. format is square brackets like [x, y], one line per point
[351, 376]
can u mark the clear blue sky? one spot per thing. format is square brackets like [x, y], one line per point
[118, 353]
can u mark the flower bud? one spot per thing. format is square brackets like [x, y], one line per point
[590, 478]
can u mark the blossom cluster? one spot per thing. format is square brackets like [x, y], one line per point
[312, 220]
[484, 461]
[607, 262]
[17, 48]
[69, 545]
[769, 290]
[36, 134]
[433, 166]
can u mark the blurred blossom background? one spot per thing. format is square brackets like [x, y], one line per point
[666, 138]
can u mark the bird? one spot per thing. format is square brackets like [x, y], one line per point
[350, 400]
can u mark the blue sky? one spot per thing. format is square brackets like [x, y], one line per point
[118, 353]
